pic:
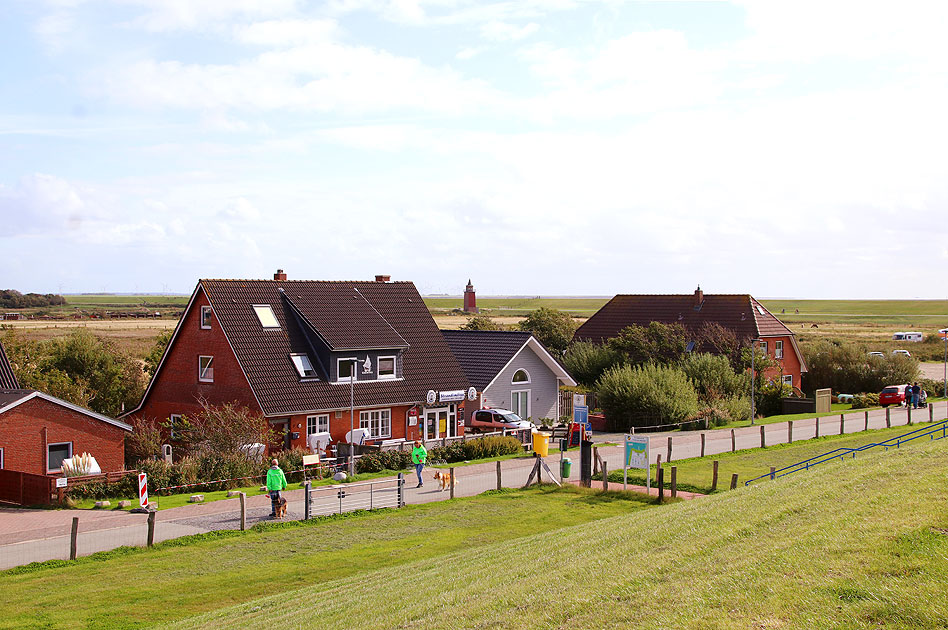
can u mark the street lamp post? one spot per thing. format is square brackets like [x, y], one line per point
[352, 377]
[753, 380]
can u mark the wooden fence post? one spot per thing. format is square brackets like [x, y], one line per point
[151, 528]
[498, 476]
[773, 469]
[595, 460]
[733, 441]
[243, 511]
[817, 426]
[763, 439]
[888, 418]
[714, 476]
[674, 481]
[734, 481]
[703, 436]
[74, 538]
[842, 424]
[789, 431]
[931, 412]
[451, 480]
[908, 413]
[867, 421]
[605, 475]
[669, 458]
[661, 485]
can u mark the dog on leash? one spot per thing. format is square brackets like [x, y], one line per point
[445, 478]
[281, 508]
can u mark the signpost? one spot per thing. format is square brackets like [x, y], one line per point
[143, 490]
[636, 456]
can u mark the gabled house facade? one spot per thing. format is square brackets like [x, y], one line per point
[747, 318]
[301, 353]
[510, 370]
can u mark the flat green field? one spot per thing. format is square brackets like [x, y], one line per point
[520, 306]
[856, 546]
[910, 313]
[100, 300]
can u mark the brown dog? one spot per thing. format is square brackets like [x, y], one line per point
[281, 508]
[444, 478]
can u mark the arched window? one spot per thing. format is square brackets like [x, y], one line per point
[520, 376]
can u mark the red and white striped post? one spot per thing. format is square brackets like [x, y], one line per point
[143, 490]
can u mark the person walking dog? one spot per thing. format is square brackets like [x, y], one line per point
[419, 455]
[276, 481]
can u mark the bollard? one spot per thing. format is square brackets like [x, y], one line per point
[306, 498]
[867, 422]
[888, 418]
[451, 481]
[499, 486]
[702, 444]
[674, 481]
[243, 508]
[734, 481]
[773, 469]
[74, 538]
[151, 528]
[714, 476]
[605, 475]
[789, 431]
[733, 441]
[931, 412]
[842, 424]
[661, 485]
[817, 426]
[763, 439]
[669, 458]
[908, 413]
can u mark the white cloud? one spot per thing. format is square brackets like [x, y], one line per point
[503, 31]
[175, 15]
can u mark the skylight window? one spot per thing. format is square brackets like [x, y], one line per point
[303, 365]
[760, 309]
[265, 315]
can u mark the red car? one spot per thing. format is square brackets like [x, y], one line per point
[892, 395]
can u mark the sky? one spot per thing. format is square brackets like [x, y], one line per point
[537, 147]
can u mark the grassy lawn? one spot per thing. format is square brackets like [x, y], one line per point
[836, 409]
[857, 546]
[165, 502]
[695, 474]
[133, 588]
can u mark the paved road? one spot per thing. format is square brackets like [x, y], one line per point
[37, 535]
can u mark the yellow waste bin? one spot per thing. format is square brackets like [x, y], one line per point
[541, 443]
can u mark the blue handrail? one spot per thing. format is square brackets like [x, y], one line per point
[841, 453]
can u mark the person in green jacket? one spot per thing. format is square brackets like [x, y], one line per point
[276, 481]
[419, 455]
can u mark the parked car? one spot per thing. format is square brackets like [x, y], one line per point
[892, 395]
[880, 355]
[904, 353]
[496, 420]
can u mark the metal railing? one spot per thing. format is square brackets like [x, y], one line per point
[347, 497]
[841, 453]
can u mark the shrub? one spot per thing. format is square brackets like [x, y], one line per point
[847, 368]
[713, 376]
[934, 387]
[292, 460]
[864, 401]
[647, 395]
[769, 397]
[378, 461]
[738, 407]
[478, 448]
[586, 361]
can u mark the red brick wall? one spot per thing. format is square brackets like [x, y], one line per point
[338, 427]
[790, 364]
[177, 389]
[29, 427]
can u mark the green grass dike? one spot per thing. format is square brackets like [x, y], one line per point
[854, 545]
[138, 588]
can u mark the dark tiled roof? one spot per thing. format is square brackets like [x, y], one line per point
[11, 395]
[380, 315]
[484, 353]
[7, 377]
[736, 312]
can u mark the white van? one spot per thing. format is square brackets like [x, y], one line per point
[907, 336]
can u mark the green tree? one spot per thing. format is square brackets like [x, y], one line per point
[553, 328]
[646, 395]
[481, 322]
[714, 378]
[655, 343]
[223, 430]
[586, 361]
[157, 351]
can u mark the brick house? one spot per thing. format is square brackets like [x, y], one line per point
[741, 313]
[510, 370]
[294, 352]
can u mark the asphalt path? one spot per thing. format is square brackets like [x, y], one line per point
[37, 535]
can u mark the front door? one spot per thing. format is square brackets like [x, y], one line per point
[431, 425]
[280, 439]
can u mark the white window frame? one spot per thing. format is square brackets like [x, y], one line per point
[1, 458]
[376, 432]
[173, 420]
[317, 424]
[203, 374]
[763, 346]
[205, 316]
[778, 349]
[516, 410]
[300, 368]
[518, 371]
[51, 444]
[352, 361]
[378, 366]
[273, 326]
[787, 379]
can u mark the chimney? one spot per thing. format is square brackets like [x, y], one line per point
[699, 296]
[382, 278]
[279, 275]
